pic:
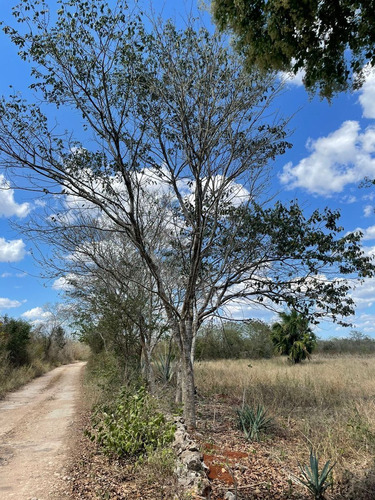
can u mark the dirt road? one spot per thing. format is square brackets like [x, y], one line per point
[34, 434]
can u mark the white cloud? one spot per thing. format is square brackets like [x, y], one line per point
[61, 283]
[36, 313]
[12, 251]
[344, 157]
[8, 303]
[364, 294]
[6, 275]
[367, 97]
[8, 205]
[365, 323]
[368, 233]
[293, 79]
[368, 197]
[349, 199]
[368, 210]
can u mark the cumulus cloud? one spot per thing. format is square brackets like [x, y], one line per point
[8, 205]
[61, 283]
[12, 250]
[344, 157]
[36, 313]
[349, 199]
[8, 303]
[364, 294]
[367, 95]
[368, 232]
[293, 79]
[365, 323]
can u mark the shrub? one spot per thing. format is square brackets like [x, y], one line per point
[131, 426]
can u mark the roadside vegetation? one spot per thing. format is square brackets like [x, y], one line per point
[27, 352]
[294, 417]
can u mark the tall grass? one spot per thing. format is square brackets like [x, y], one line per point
[12, 377]
[327, 404]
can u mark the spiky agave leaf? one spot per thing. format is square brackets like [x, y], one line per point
[312, 479]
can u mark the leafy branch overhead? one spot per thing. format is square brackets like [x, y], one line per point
[333, 42]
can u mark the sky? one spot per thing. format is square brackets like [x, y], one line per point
[333, 151]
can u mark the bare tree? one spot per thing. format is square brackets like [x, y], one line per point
[174, 110]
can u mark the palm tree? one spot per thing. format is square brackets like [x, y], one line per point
[293, 337]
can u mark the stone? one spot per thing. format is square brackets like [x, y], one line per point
[192, 460]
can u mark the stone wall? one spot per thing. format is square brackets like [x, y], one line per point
[190, 469]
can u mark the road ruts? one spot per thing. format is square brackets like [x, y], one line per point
[34, 434]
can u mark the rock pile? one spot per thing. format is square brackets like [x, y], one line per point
[190, 469]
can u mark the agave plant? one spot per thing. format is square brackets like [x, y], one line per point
[253, 422]
[316, 482]
[164, 367]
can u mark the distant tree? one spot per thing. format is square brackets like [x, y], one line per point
[357, 336]
[258, 343]
[17, 333]
[331, 40]
[293, 337]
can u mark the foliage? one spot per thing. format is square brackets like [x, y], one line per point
[229, 340]
[17, 333]
[330, 41]
[316, 482]
[164, 367]
[357, 343]
[131, 426]
[253, 422]
[258, 340]
[24, 356]
[293, 336]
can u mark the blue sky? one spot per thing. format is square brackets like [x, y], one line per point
[333, 150]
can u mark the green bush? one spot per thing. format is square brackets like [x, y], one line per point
[18, 335]
[229, 340]
[131, 426]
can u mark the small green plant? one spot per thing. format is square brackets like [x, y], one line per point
[164, 368]
[316, 482]
[131, 426]
[253, 422]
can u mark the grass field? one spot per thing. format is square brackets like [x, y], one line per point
[327, 404]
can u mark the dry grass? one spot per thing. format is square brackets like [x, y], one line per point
[327, 404]
[14, 378]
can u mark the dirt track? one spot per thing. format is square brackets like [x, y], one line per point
[34, 434]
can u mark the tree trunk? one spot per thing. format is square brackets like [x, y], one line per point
[178, 395]
[187, 374]
[149, 372]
